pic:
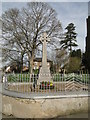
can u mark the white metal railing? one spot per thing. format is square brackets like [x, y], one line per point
[58, 83]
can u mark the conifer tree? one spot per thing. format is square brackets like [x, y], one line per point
[69, 40]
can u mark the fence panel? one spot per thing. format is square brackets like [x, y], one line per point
[27, 83]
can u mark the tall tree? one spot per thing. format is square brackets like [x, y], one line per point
[60, 59]
[13, 48]
[12, 56]
[74, 61]
[76, 53]
[70, 38]
[74, 64]
[24, 28]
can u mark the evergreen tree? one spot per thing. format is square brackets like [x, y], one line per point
[76, 53]
[70, 38]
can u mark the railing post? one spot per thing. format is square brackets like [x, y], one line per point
[5, 81]
[73, 81]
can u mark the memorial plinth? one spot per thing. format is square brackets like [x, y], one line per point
[44, 73]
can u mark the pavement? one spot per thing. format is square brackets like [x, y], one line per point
[0, 87]
[0, 104]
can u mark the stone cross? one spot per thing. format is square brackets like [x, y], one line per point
[44, 73]
[44, 39]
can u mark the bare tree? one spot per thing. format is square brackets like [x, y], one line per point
[24, 28]
[60, 59]
[11, 55]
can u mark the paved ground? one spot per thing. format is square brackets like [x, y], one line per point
[0, 87]
[78, 115]
[0, 116]
[0, 102]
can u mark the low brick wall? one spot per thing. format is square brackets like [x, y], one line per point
[43, 108]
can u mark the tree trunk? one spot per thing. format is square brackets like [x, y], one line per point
[32, 58]
[22, 62]
[29, 66]
[31, 62]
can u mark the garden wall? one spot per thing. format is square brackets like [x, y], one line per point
[43, 108]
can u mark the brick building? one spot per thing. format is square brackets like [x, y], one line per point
[37, 63]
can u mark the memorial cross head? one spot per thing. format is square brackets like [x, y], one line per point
[44, 38]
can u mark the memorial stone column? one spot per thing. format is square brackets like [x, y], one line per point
[44, 73]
